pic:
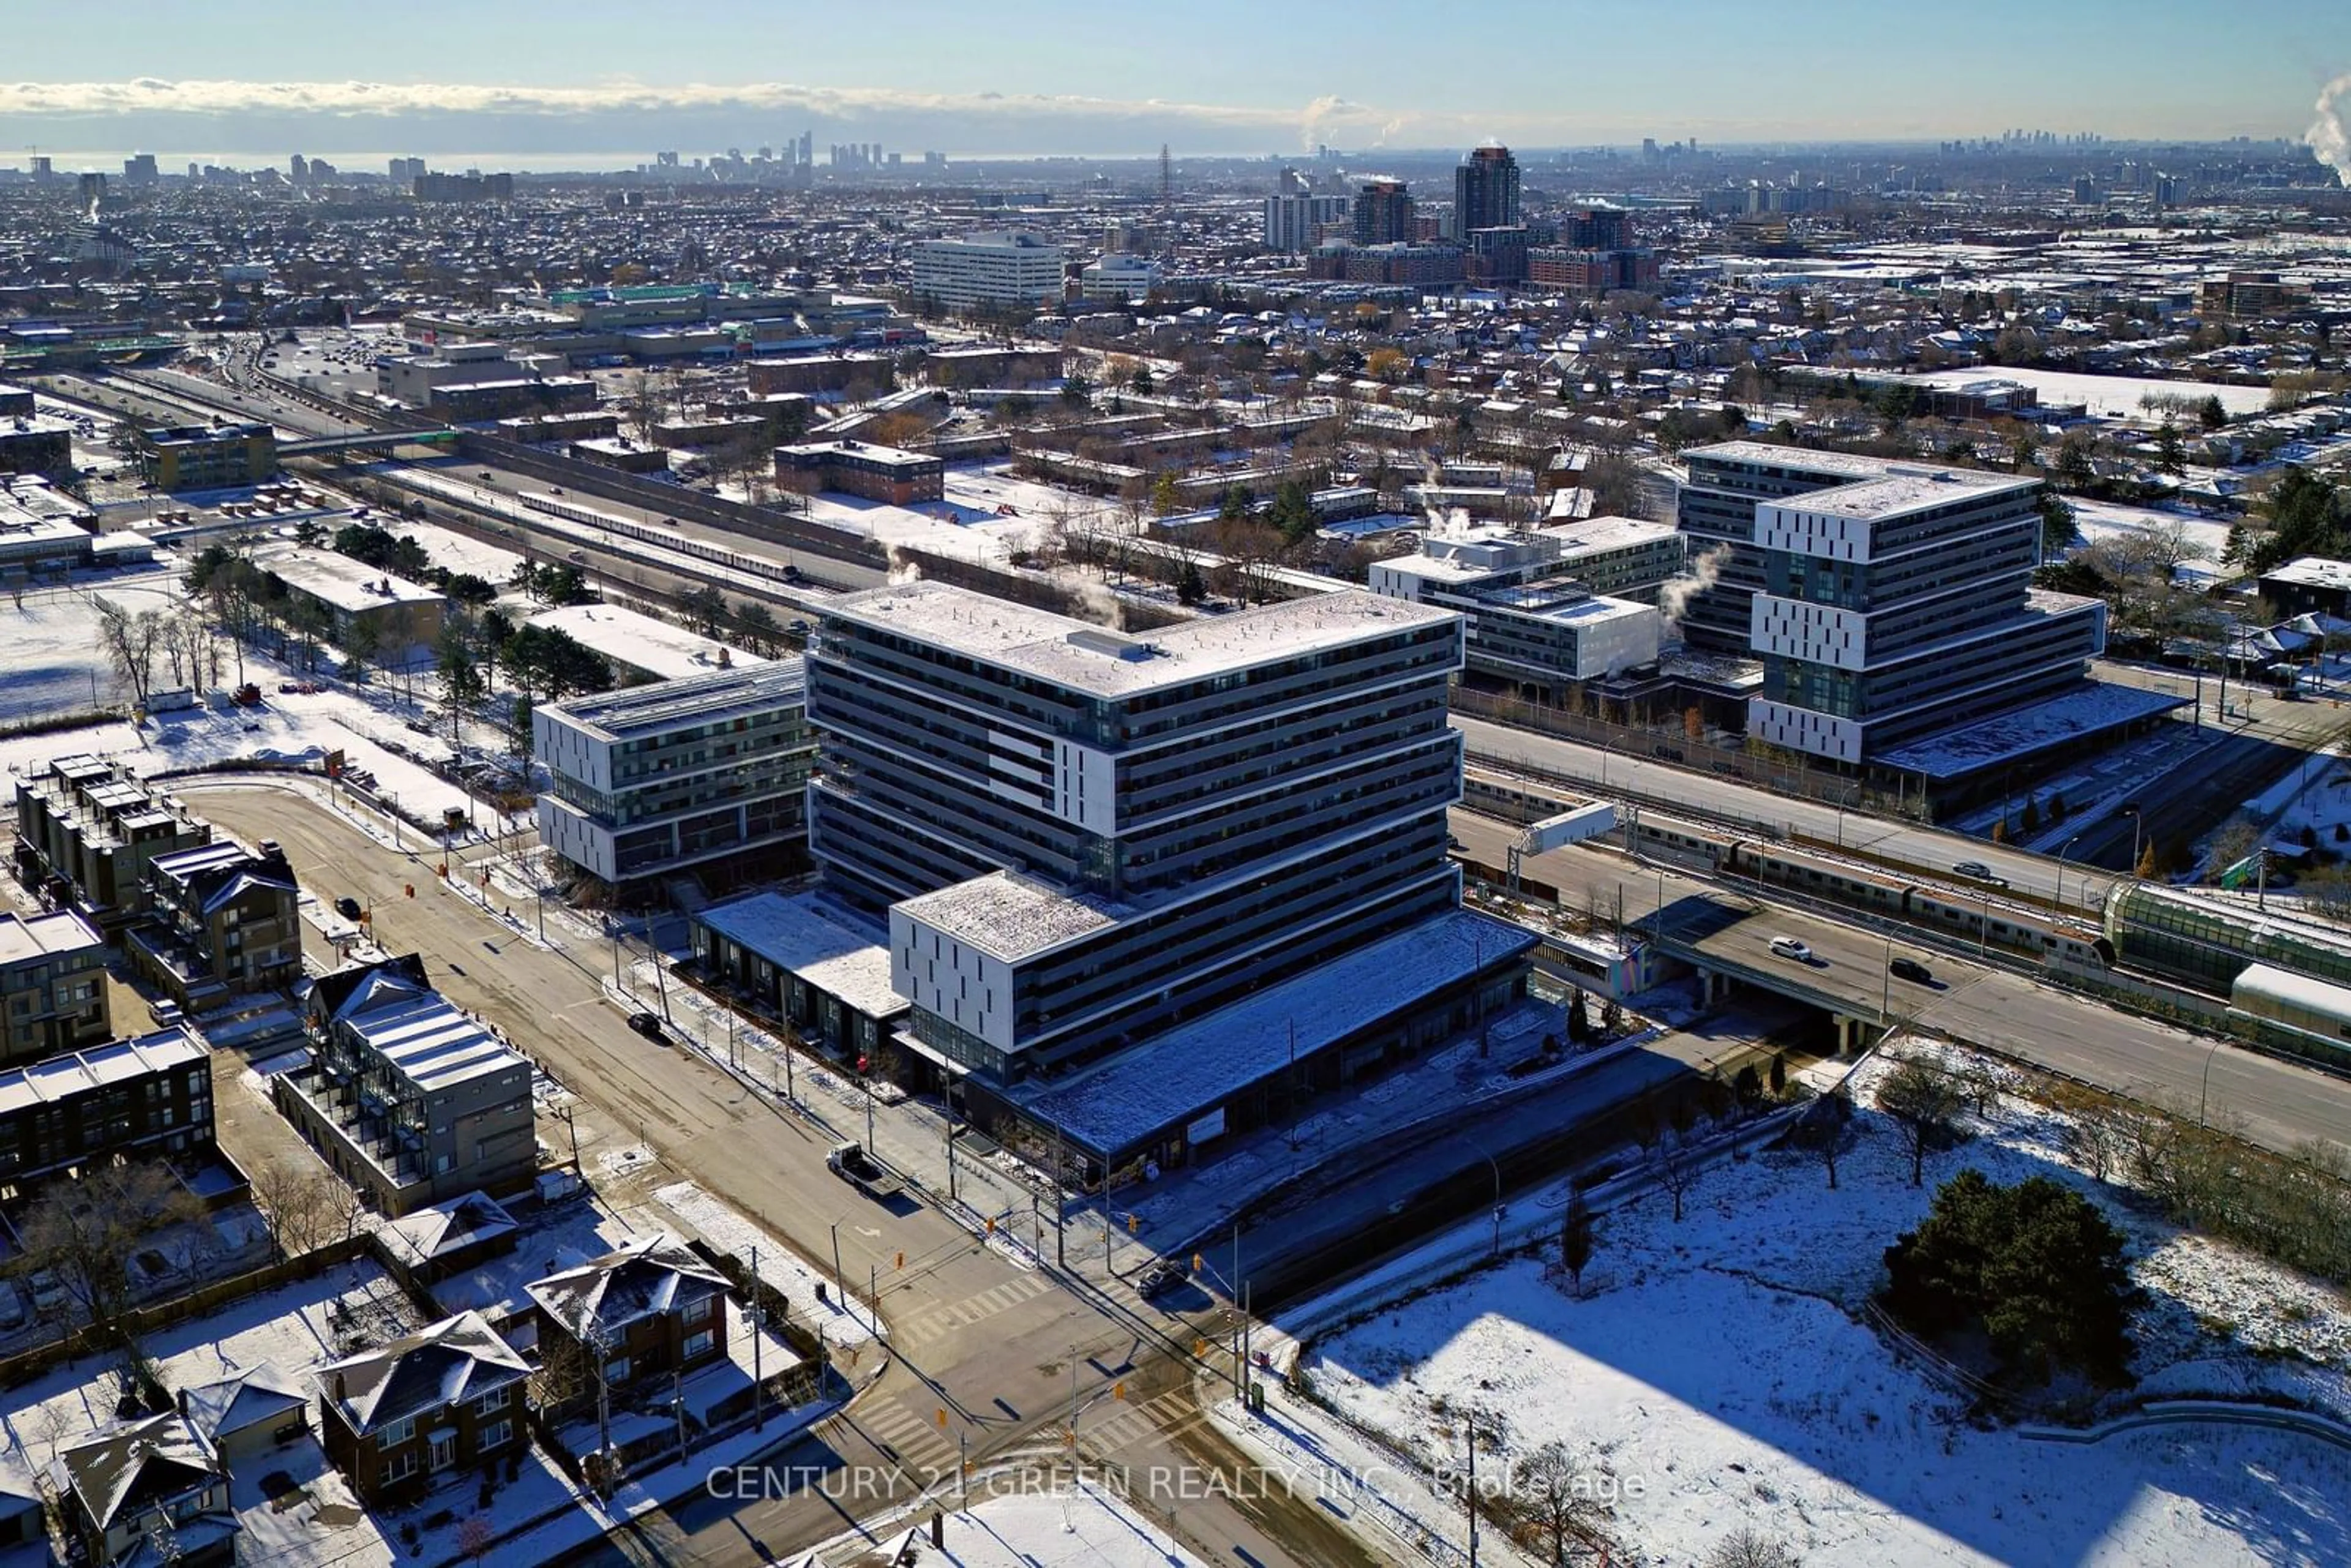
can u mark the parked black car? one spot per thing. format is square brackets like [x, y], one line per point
[648, 1025]
[348, 907]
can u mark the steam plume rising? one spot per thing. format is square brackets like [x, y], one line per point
[1674, 597]
[2328, 135]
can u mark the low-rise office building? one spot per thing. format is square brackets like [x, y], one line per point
[503, 397]
[410, 1099]
[151, 1096]
[886, 473]
[52, 984]
[42, 528]
[35, 443]
[366, 608]
[206, 457]
[225, 920]
[87, 830]
[657, 778]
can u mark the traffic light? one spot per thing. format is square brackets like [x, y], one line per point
[942, 1419]
[1198, 1263]
[1118, 1389]
[901, 1259]
[1133, 1223]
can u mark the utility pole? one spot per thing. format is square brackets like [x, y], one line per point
[758, 1378]
[1473, 1492]
[839, 1288]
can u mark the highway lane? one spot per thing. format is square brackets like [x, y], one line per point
[1929, 850]
[977, 1333]
[2275, 1103]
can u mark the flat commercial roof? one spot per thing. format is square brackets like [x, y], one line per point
[863, 451]
[45, 936]
[1166, 1080]
[823, 942]
[1899, 491]
[1802, 459]
[1011, 916]
[2314, 571]
[339, 580]
[670, 652]
[1085, 657]
[1568, 606]
[1605, 532]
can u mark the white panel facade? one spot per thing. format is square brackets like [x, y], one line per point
[1816, 633]
[570, 750]
[561, 827]
[1085, 788]
[1820, 534]
[969, 988]
[1802, 729]
[1617, 643]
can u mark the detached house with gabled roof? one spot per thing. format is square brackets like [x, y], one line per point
[650, 1308]
[149, 1484]
[445, 1397]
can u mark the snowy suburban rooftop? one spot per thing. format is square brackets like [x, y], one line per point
[433, 1043]
[1076, 653]
[1607, 532]
[822, 941]
[1194, 1067]
[2314, 571]
[338, 579]
[1010, 916]
[669, 652]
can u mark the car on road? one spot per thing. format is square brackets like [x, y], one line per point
[1912, 971]
[1161, 1277]
[1790, 947]
[348, 907]
[1981, 871]
[648, 1025]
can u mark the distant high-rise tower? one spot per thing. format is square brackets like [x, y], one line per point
[1485, 191]
[1383, 211]
[1166, 177]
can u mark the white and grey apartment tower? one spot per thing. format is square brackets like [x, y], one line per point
[1083, 837]
[1894, 606]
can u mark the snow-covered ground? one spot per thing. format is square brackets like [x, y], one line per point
[2109, 397]
[1016, 1526]
[2109, 519]
[1715, 1370]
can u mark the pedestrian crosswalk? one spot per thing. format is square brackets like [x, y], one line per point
[933, 1322]
[1171, 1413]
[918, 1442]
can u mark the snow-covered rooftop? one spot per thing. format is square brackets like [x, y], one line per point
[706, 697]
[1186, 1070]
[338, 579]
[1903, 490]
[823, 942]
[642, 642]
[2088, 710]
[1011, 916]
[1102, 663]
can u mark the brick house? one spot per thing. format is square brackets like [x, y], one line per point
[148, 1486]
[650, 1308]
[442, 1399]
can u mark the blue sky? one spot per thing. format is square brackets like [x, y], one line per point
[1207, 74]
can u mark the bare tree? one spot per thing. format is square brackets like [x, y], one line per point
[1579, 1237]
[1745, 1548]
[1921, 1100]
[307, 1208]
[1562, 1497]
[131, 642]
[84, 1233]
[1673, 1162]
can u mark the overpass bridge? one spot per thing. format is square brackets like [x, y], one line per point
[369, 440]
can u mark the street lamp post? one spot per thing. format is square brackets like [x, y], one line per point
[2204, 1095]
[1885, 986]
[2061, 873]
[2138, 821]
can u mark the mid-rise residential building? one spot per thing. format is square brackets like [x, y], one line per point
[224, 920]
[1537, 615]
[1004, 269]
[656, 778]
[1899, 605]
[87, 830]
[1716, 510]
[399, 1417]
[1294, 220]
[32, 442]
[410, 1099]
[1085, 839]
[148, 1096]
[206, 457]
[52, 984]
[1591, 272]
[886, 473]
[1119, 277]
[1485, 191]
[1383, 213]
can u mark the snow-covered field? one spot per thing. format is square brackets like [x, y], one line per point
[1016, 1527]
[2113, 397]
[1716, 1369]
[2109, 519]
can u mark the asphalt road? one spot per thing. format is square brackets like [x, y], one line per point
[2275, 1103]
[977, 1334]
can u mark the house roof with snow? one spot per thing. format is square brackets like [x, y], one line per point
[643, 1276]
[149, 1460]
[261, 1393]
[445, 1228]
[457, 1358]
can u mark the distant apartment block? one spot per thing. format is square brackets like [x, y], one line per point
[31, 442]
[87, 831]
[1384, 213]
[503, 397]
[206, 457]
[1121, 277]
[52, 986]
[885, 474]
[809, 374]
[411, 1100]
[360, 605]
[147, 1096]
[461, 187]
[1485, 191]
[1569, 270]
[1294, 221]
[660, 777]
[224, 920]
[995, 270]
